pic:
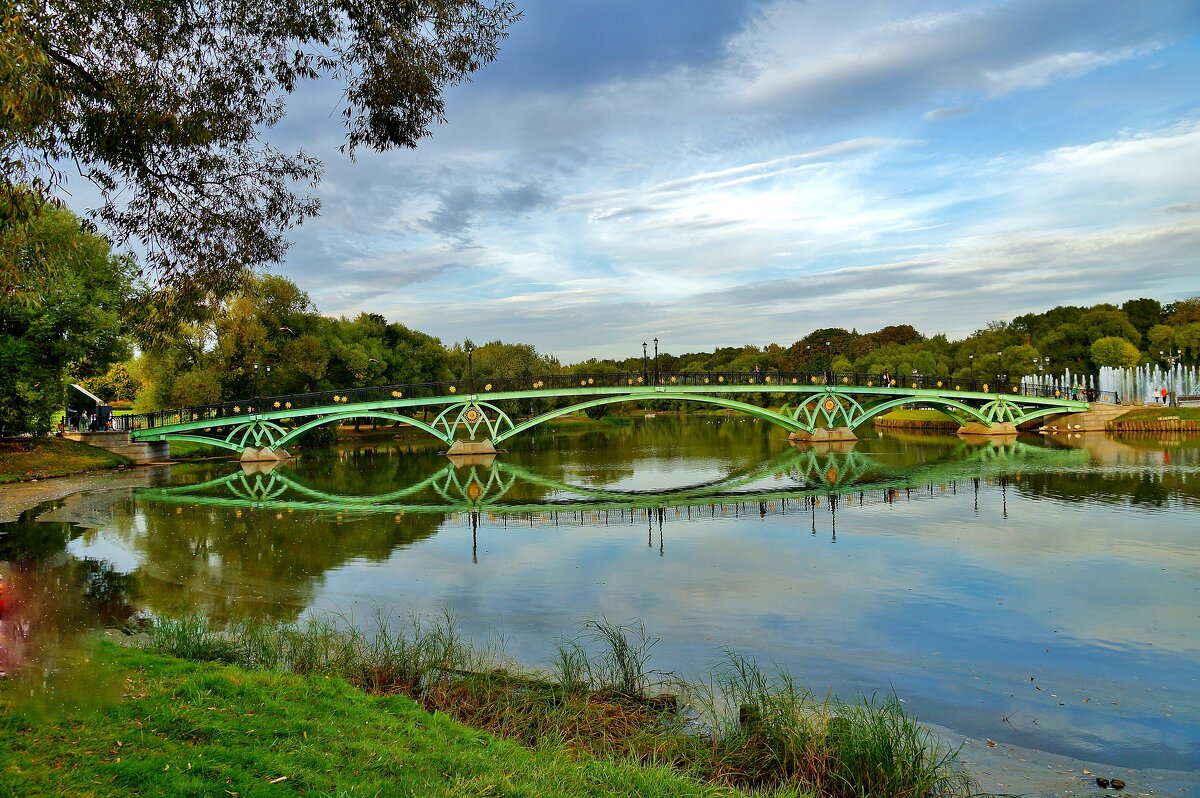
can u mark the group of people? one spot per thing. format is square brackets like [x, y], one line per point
[84, 421]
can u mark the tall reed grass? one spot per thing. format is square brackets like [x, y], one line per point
[741, 726]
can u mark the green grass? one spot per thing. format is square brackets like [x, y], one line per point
[917, 415]
[1151, 413]
[53, 457]
[187, 450]
[202, 729]
[755, 731]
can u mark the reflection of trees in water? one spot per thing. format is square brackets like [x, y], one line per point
[50, 598]
[1141, 488]
[256, 560]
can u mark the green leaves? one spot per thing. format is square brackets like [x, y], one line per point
[67, 317]
[164, 106]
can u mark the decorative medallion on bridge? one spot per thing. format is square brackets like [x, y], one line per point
[468, 419]
[397, 394]
[829, 409]
[831, 475]
[487, 387]
[258, 434]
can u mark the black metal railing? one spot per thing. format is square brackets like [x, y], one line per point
[562, 382]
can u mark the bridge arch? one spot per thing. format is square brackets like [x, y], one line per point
[945, 404]
[778, 419]
[292, 435]
[218, 442]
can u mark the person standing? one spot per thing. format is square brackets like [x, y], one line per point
[1164, 393]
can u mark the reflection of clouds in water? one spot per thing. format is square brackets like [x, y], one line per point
[919, 596]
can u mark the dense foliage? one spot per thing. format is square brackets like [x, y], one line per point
[73, 325]
[268, 338]
[163, 107]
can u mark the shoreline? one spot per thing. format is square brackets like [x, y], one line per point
[1002, 768]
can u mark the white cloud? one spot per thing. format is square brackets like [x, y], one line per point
[1057, 66]
[613, 206]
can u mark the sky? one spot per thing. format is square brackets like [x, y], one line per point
[728, 172]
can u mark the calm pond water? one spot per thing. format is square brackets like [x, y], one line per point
[1040, 593]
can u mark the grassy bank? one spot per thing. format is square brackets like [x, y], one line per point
[52, 457]
[188, 450]
[739, 728]
[916, 419]
[194, 729]
[1158, 419]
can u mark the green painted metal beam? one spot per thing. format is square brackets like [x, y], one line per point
[1016, 406]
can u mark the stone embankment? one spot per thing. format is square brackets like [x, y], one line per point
[139, 452]
[1096, 419]
[932, 424]
[1160, 424]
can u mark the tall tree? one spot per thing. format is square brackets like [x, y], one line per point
[163, 105]
[74, 326]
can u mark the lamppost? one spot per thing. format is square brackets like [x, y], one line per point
[645, 365]
[657, 370]
[828, 364]
[257, 390]
[971, 366]
[1043, 365]
[999, 370]
[470, 368]
[916, 375]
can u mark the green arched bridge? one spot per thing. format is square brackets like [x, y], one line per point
[475, 416]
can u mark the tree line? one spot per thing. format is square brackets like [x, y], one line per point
[267, 337]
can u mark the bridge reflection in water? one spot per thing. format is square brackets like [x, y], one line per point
[801, 480]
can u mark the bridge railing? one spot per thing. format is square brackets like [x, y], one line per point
[755, 381]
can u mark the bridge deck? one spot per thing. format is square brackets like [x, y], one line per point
[826, 400]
